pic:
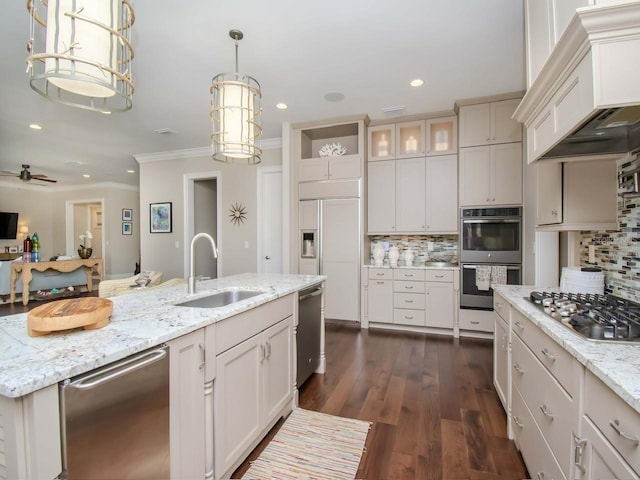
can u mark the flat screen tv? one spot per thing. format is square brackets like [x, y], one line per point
[8, 226]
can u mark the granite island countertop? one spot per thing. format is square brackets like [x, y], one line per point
[139, 321]
[426, 266]
[616, 364]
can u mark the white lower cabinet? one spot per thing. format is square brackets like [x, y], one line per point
[187, 405]
[254, 382]
[411, 297]
[501, 359]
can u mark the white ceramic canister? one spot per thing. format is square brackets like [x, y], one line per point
[394, 254]
[408, 257]
[378, 254]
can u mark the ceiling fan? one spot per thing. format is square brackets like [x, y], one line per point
[25, 175]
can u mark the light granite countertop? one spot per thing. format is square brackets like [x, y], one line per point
[439, 266]
[616, 364]
[139, 321]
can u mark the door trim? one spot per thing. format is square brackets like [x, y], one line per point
[188, 181]
[262, 172]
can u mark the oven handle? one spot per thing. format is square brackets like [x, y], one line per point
[495, 220]
[473, 267]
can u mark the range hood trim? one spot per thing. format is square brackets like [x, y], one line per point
[590, 27]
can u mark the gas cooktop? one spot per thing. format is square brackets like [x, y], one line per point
[593, 316]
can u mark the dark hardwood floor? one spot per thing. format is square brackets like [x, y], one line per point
[431, 401]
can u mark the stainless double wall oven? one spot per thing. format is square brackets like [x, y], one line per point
[488, 237]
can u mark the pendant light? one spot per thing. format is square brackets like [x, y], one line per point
[235, 106]
[80, 52]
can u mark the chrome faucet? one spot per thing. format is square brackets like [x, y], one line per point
[192, 280]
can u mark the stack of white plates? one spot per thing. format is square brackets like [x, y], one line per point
[574, 280]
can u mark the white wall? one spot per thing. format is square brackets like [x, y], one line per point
[162, 181]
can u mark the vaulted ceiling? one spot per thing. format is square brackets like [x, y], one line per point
[298, 51]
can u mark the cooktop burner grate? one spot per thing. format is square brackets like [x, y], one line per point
[593, 316]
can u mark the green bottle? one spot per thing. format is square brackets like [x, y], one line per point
[35, 251]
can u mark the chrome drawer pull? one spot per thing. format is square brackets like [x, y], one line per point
[408, 275]
[546, 412]
[518, 369]
[380, 274]
[517, 421]
[519, 325]
[409, 287]
[408, 318]
[408, 301]
[540, 475]
[548, 354]
[475, 322]
[615, 424]
[439, 276]
[380, 282]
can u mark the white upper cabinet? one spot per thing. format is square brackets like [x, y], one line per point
[410, 195]
[442, 194]
[381, 203]
[442, 136]
[489, 123]
[329, 168]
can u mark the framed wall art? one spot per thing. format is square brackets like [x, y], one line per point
[126, 228]
[160, 217]
[127, 214]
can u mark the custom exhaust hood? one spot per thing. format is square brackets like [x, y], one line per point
[585, 102]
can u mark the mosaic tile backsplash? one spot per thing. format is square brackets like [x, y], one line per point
[426, 248]
[617, 252]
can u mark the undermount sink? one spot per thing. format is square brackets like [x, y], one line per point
[220, 299]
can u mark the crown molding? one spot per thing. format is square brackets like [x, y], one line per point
[269, 144]
[68, 188]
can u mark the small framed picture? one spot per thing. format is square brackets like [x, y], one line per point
[160, 217]
[127, 214]
[13, 249]
[126, 228]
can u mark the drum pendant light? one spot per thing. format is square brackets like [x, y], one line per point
[80, 52]
[235, 107]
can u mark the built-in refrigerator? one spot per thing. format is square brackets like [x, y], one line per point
[329, 232]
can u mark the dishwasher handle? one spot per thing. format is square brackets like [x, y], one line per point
[118, 369]
[315, 293]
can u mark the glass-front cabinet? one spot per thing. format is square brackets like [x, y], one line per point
[382, 142]
[410, 139]
[442, 136]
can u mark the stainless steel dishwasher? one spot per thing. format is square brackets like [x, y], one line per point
[115, 420]
[308, 332]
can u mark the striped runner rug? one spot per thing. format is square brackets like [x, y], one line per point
[312, 445]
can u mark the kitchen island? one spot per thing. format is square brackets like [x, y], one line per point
[573, 404]
[31, 367]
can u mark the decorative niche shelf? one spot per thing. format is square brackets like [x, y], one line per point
[313, 139]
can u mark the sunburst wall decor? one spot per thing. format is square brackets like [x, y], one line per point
[238, 213]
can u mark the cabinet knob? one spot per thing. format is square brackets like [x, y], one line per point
[493, 199]
[488, 139]
[488, 199]
[267, 257]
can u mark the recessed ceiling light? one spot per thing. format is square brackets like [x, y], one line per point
[131, 171]
[281, 106]
[86, 175]
[418, 82]
[334, 97]
[35, 126]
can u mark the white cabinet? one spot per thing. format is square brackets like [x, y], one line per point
[382, 144]
[501, 350]
[382, 196]
[549, 193]
[442, 194]
[187, 405]
[329, 168]
[491, 175]
[410, 141]
[410, 195]
[380, 295]
[413, 195]
[439, 305]
[588, 196]
[489, 123]
[254, 382]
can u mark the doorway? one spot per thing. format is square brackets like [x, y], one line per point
[202, 214]
[84, 216]
[270, 251]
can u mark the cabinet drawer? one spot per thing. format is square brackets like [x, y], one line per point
[412, 301]
[536, 453]
[408, 287]
[614, 417]
[381, 273]
[501, 306]
[439, 276]
[408, 274]
[555, 358]
[403, 316]
[476, 320]
[550, 406]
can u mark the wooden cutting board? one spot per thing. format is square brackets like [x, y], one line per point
[89, 313]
